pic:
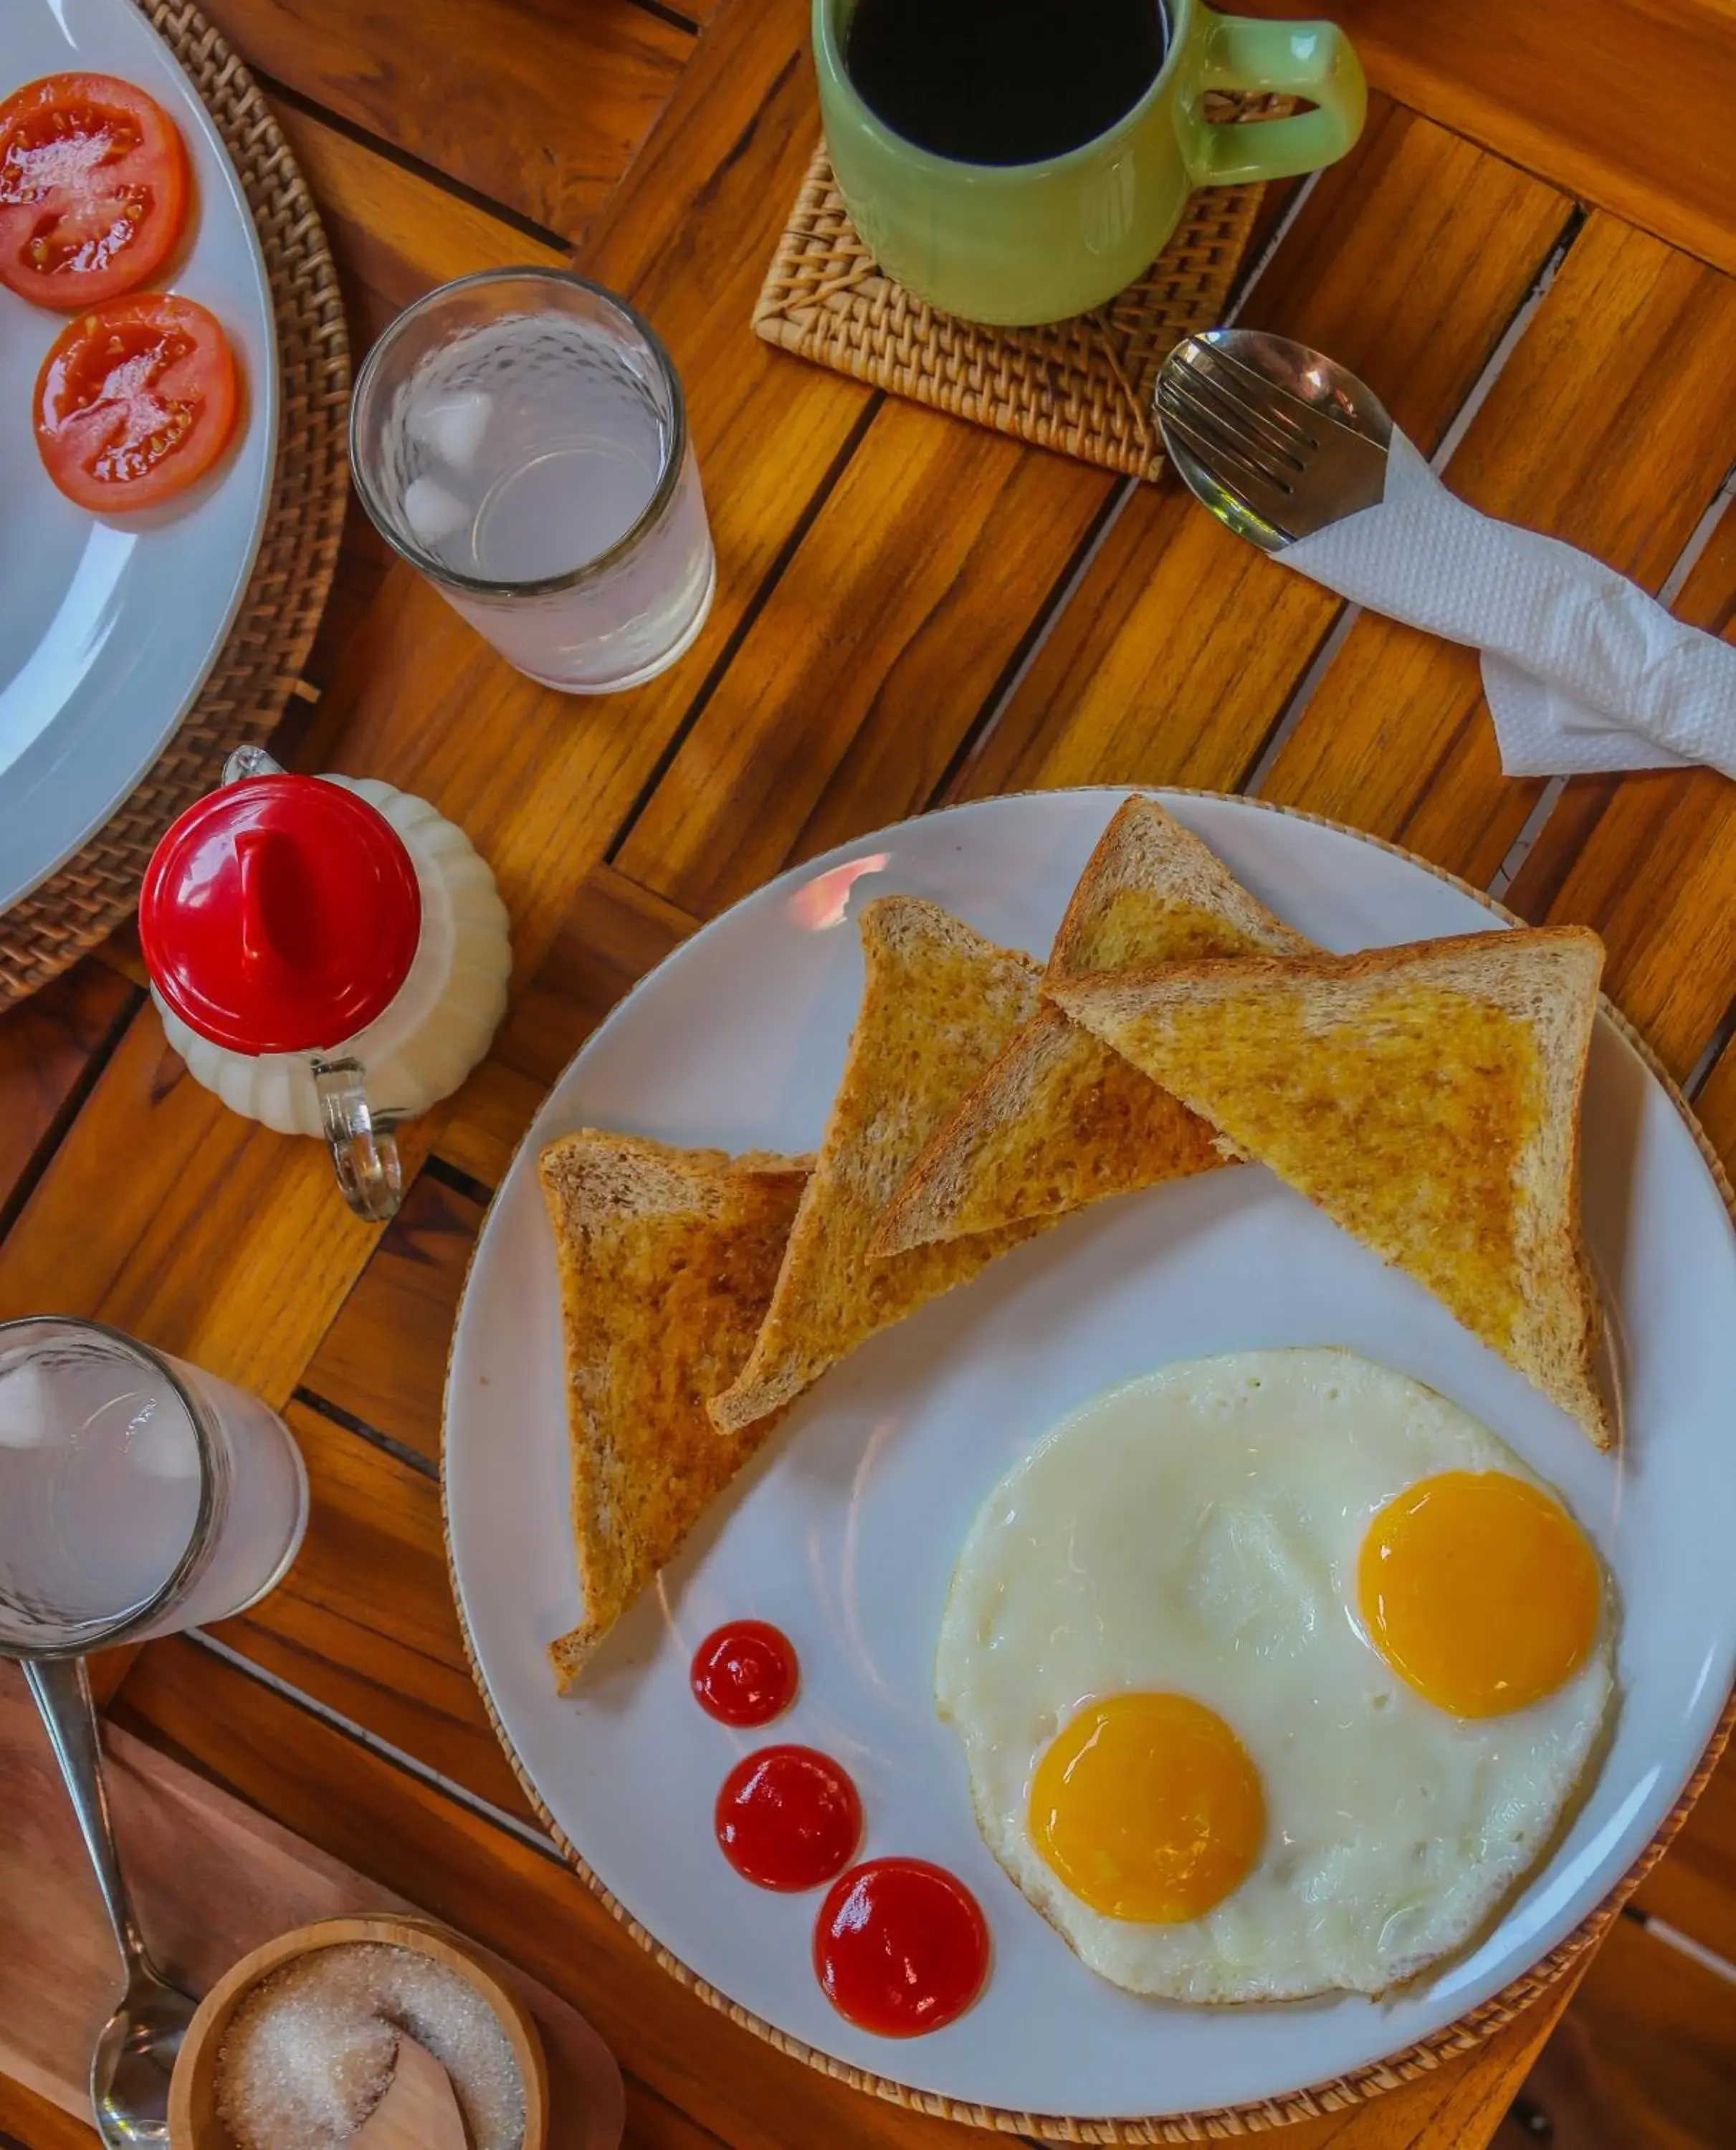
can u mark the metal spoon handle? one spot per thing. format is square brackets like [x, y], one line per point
[62, 1688]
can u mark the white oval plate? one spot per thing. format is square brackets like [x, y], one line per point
[845, 1531]
[109, 625]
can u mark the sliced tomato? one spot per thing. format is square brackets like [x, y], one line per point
[135, 402]
[92, 189]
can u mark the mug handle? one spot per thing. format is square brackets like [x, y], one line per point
[1314, 60]
[364, 1154]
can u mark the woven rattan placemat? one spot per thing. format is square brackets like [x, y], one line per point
[1084, 386]
[244, 694]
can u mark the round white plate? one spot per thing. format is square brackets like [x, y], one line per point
[845, 1531]
[108, 626]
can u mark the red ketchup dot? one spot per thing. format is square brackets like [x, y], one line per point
[901, 1947]
[745, 1672]
[788, 1818]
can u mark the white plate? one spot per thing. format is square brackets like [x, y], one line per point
[845, 1532]
[108, 626]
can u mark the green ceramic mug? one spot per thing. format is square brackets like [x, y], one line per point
[1020, 244]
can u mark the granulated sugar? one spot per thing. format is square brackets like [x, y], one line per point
[310, 2053]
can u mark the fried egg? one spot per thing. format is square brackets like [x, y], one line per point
[1274, 1673]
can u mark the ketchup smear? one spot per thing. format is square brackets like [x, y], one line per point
[788, 1818]
[901, 1947]
[745, 1672]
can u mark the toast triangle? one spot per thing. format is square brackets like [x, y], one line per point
[1058, 1120]
[1427, 1098]
[667, 1260]
[939, 1002]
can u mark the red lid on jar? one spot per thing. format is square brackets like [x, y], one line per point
[279, 915]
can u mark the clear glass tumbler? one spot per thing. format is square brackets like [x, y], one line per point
[521, 437]
[139, 1495]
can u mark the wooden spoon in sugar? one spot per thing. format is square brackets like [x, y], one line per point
[420, 2110]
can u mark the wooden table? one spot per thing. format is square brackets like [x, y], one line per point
[1531, 253]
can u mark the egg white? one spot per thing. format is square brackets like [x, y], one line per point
[1198, 1531]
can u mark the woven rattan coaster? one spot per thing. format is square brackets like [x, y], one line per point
[1083, 387]
[244, 697]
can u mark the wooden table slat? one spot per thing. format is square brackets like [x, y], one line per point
[614, 932]
[365, 1622]
[1645, 2002]
[31, 2123]
[1694, 1887]
[394, 232]
[859, 680]
[539, 108]
[487, 1118]
[218, 1240]
[1624, 103]
[49, 1045]
[383, 1359]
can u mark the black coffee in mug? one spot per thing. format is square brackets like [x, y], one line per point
[1004, 81]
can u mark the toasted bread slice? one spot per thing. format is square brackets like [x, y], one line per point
[938, 1003]
[668, 1257]
[1427, 1098]
[1059, 1120]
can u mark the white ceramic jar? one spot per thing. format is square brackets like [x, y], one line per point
[329, 955]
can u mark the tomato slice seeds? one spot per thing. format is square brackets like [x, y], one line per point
[94, 188]
[135, 402]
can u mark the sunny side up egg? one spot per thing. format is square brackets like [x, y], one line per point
[1274, 1673]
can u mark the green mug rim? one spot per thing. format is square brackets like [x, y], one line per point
[829, 62]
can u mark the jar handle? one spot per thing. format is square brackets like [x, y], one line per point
[364, 1155]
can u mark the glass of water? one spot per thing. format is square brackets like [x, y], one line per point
[520, 436]
[139, 1495]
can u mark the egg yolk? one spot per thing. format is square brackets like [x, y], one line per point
[1479, 1591]
[1148, 1807]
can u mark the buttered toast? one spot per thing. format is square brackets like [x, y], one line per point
[1059, 1120]
[1427, 1098]
[667, 1260]
[939, 1002]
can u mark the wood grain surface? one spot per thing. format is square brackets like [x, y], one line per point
[538, 106]
[1624, 103]
[365, 1623]
[46, 1048]
[1529, 254]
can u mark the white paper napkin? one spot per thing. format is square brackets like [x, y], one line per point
[1583, 671]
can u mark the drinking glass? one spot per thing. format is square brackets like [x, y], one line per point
[139, 1495]
[520, 436]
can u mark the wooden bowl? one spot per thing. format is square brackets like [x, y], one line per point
[193, 2121]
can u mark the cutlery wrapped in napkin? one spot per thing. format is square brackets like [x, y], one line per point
[1582, 669]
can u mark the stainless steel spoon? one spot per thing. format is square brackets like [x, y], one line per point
[135, 2051]
[1277, 440]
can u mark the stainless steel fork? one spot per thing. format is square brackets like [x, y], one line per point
[1275, 438]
